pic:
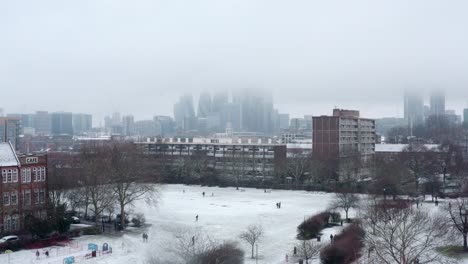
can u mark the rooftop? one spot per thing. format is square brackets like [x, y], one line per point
[399, 147]
[7, 155]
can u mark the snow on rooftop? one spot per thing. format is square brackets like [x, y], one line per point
[399, 147]
[7, 155]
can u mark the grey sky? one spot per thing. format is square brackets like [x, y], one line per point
[100, 56]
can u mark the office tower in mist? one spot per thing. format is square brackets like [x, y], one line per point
[10, 129]
[256, 110]
[166, 124]
[204, 105]
[82, 123]
[283, 121]
[414, 109]
[62, 123]
[184, 113]
[42, 123]
[437, 103]
[128, 125]
[220, 99]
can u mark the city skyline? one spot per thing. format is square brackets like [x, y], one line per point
[315, 109]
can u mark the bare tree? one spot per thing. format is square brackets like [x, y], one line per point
[402, 234]
[191, 243]
[308, 250]
[297, 166]
[419, 161]
[195, 247]
[127, 176]
[252, 236]
[458, 212]
[345, 200]
[95, 171]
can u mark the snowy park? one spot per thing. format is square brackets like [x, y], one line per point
[223, 213]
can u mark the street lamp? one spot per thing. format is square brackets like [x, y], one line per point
[444, 171]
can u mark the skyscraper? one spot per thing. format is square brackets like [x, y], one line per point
[414, 109]
[128, 123]
[82, 123]
[184, 113]
[204, 105]
[437, 103]
[284, 121]
[62, 123]
[220, 99]
[10, 130]
[256, 110]
[42, 123]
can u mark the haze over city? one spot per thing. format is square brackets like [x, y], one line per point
[138, 57]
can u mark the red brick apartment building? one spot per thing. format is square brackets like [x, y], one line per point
[344, 137]
[23, 188]
[343, 134]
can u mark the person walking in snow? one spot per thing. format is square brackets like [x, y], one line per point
[196, 218]
[287, 258]
[143, 237]
[203, 193]
[331, 237]
[37, 254]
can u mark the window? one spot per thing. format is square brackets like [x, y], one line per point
[4, 176]
[14, 198]
[23, 175]
[15, 175]
[9, 175]
[42, 196]
[15, 223]
[27, 197]
[7, 223]
[28, 174]
[43, 174]
[36, 196]
[6, 198]
[34, 174]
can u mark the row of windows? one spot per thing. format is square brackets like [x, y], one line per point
[9, 175]
[36, 174]
[11, 198]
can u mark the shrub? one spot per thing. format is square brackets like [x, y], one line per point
[346, 246]
[311, 227]
[138, 220]
[92, 230]
[226, 253]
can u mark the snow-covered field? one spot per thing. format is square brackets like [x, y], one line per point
[222, 216]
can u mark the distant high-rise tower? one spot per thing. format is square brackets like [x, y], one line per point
[42, 123]
[414, 109]
[184, 113]
[204, 105]
[128, 123]
[256, 110]
[437, 103]
[10, 128]
[82, 123]
[220, 99]
[62, 123]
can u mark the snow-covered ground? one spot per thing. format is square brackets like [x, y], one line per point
[222, 216]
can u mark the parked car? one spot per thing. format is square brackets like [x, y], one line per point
[75, 220]
[9, 239]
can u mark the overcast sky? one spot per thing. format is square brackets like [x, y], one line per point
[101, 56]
